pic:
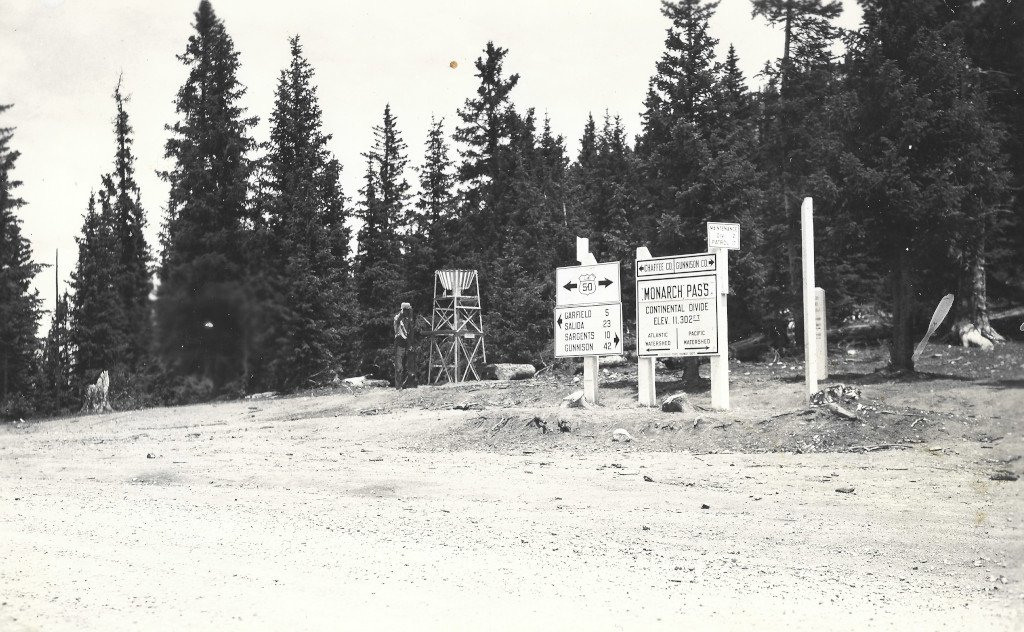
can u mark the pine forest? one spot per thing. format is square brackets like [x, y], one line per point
[908, 133]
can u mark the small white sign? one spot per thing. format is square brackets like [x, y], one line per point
[821, 333]
[593, 330]
[588, 285]
[722, 235]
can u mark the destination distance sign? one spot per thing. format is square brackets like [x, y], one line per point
[677, 312]
[588, 285]
[593, 330]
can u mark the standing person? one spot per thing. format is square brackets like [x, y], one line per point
[404, 368]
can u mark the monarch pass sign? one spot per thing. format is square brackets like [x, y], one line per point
[677, 306]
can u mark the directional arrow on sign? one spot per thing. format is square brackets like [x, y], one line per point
[559, 321]
[595, 284]
[704, 348]
[616, 340]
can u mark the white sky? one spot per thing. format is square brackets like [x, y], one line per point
[61, 60]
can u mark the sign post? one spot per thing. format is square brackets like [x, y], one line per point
[810, 340]
[720, 362]
[722, 237]
[645, 370]
[588, 314]
[677, 307]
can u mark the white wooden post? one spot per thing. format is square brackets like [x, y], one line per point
[720, 362]
[810, 340]
[591, 364]
[645, 369]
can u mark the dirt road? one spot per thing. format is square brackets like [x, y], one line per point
[384, 510]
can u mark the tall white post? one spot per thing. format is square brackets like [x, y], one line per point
[645, 371]
[810, 339]
[720, 362]
[591, 364]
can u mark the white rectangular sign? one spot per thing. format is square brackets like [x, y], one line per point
[677, 316]
[682, 264]
[588, 285]
[721, 235]
[593, 330]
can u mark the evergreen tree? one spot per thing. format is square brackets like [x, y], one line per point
[381, 269]
[110, 313]
[605, 197]
[57, 358]
[306, 262]
[993, 35]
[205, 309]
[800, 135]
[536, 239]
[98, 318]
[803, 22]
[19, 303]
[514, 213]
[434, 224]
[488, 165]
[926, 158]
[736, 194]
[134, 282]
[679, 115]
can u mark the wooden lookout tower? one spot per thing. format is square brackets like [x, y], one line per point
[457, 329]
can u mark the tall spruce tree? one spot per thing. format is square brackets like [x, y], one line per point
[993, 38]
[925, 160]
[486, 173]
[604, 201]
[800, 133]
[206, 313]
[134, 281]
[381, 269]
[679, 115]
[98, 318]
[306, 264]
[19, 303]
[514, 212]
[111, 324]
[434, 223]
[518, 288]
[56, 364]
[736, 194]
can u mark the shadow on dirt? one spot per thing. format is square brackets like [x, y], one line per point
[1006, 384]
[885, 377]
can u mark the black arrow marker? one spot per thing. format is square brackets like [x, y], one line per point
[559, 321]
[605, 282]
[570, 286]
[616, 340]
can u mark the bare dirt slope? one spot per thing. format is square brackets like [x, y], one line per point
[451, 508]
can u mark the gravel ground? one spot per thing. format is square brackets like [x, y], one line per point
[447, 508]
